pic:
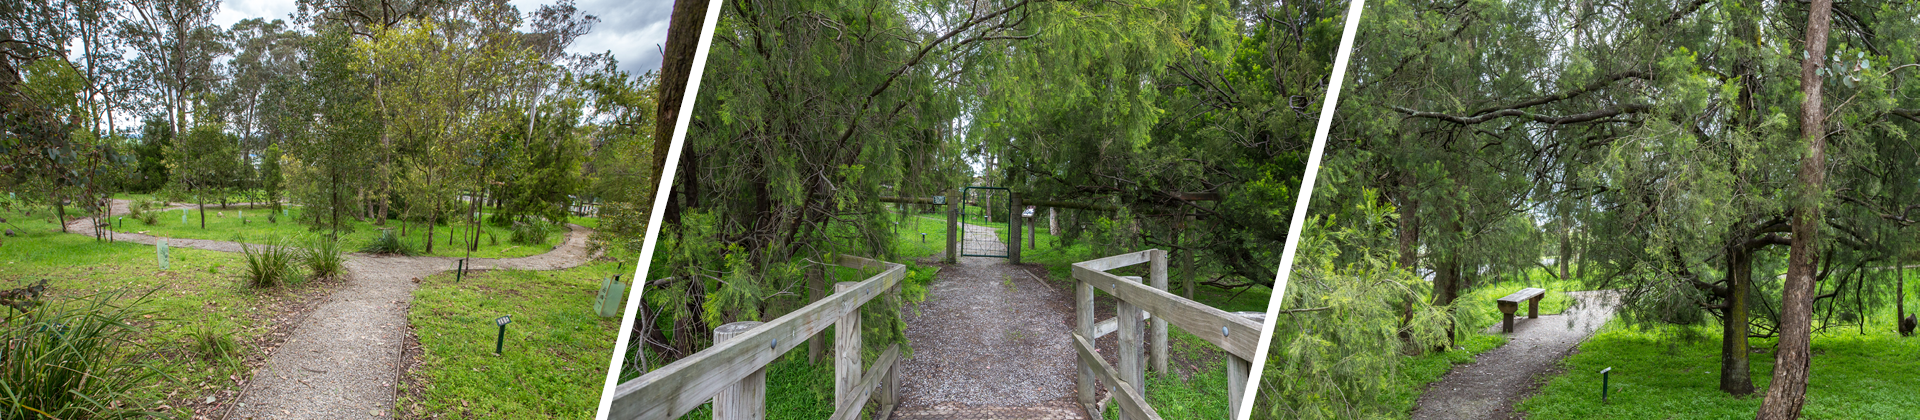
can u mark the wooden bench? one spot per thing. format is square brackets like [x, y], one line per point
[1511, 304]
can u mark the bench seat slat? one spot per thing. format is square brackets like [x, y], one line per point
[1523, 295]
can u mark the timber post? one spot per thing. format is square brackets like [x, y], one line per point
[846, 350]
[1083, 326]
[1158, 335]
[1131, 369]
[746, 399]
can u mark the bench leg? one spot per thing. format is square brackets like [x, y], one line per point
[1506, 323]
[1533, 306]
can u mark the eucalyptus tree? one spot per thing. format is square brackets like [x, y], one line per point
[175, 44]
[50, 131]
[622, 127]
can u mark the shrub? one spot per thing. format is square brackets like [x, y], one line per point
[529, 233]
[387, 243]
[323, 257]
[66, 360]
[269, 265]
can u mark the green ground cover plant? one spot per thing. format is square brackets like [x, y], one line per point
[555, 348]
[200, 298]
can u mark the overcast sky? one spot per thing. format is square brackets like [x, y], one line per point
[632, 29]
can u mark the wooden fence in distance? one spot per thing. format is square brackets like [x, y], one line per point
[732, 373]
[1236, 334]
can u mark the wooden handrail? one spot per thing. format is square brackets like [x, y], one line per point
[1240, 337]
[677, 388]
[1135, 301]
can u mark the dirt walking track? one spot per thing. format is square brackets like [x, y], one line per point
[343, 359]
[991, 341]
[1489, 387]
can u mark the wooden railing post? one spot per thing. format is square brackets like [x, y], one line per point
[846, 350]
[1158, 336]
[1131, 367]
[1083, 324]
[747, 399]
[1239, 369]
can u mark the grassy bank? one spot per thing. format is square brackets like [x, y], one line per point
[1659, 375]
[227, 225]
[556, 349]
[199, 301]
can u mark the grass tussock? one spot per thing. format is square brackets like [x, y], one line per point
[69, 359]
[270, 265]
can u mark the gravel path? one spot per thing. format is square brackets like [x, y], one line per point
[990, 342]
[343, 359]
[1499, 378]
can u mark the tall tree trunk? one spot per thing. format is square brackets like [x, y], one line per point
[1409, 234]
[203, 211]
[1735, 377]
[1565, 261]
[676, 66]
[431, 218]
[1788, 391]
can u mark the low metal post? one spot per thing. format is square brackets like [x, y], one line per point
[501, 341]
[1604, 373]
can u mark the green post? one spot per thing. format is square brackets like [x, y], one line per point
[1604, 373]
[161, 252]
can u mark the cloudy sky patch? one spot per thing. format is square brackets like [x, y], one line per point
[632, 30]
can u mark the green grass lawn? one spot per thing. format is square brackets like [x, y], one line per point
[1854, 376]
[201, 291]
[226, 225]
[556, 349]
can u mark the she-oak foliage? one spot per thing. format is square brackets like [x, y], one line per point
[1649, 147]
[822, 107]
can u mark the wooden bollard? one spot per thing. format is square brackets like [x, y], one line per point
[747, 399]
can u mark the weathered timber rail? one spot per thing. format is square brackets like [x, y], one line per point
[1237, 334]
[732, 373]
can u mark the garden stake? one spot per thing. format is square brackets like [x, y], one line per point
[1603, 384]
[502, 339]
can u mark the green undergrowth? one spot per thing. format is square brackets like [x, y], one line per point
[227, 225]
[200, 326]
[556, 349]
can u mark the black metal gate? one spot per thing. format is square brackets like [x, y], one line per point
[984, 215]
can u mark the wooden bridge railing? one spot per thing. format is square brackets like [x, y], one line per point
[1235, 333]
[732, 373]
